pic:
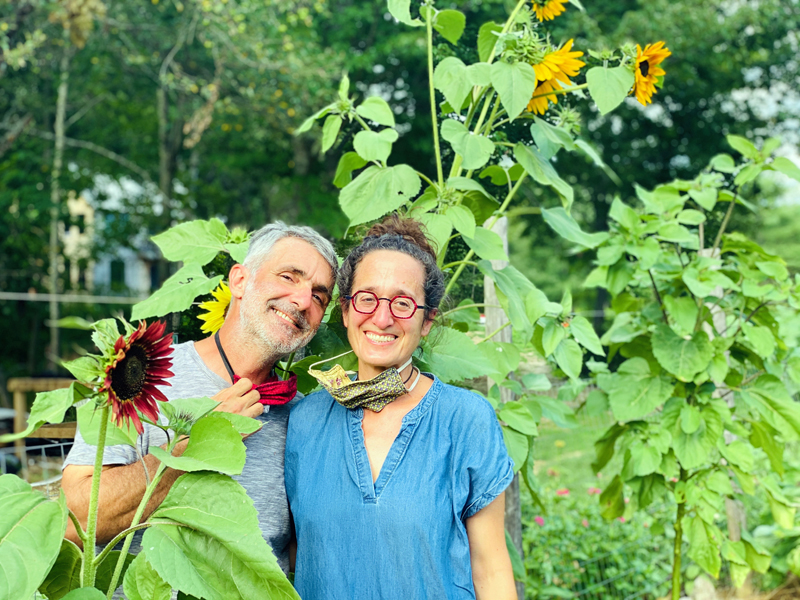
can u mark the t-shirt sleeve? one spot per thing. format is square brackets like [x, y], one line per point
[488, 465]
[83, 454]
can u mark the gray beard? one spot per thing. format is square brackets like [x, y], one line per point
[253, 313]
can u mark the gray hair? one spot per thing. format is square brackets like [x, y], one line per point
[263, 240]
[433, 285]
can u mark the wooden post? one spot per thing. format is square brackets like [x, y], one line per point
[496, 318]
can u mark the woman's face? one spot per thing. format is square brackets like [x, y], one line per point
[380, 340]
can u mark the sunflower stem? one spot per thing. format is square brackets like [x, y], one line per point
[434, 120]
[89, 568]
[286, 371]
[148, 492]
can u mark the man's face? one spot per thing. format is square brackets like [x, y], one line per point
[285, 299]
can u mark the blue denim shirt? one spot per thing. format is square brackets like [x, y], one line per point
[403, 537]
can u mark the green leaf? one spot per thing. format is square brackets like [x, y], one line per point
[349, 162]
[376, 109]
[439, 227]
[372, 145]
[73, 322]
[787, 167]
[763, 436]
[330, 131]
[536, 382]
[142, 582]
[513, 285]
[738, 453]
[85, 368]
[462, 219]
[237, 251]
[774, 269]
[217, 550]
[683, 311]
[450, 78]
[678, 234]
[514, 83]
[706, 197]
[475, 149]
[193, 242]
[518, 417]
[552, 336]
[609, 87]
[89, 417]
[645, 458]
[479, 74]
[543, 172]
[748, 174]
[466, 184]
[517, 565]
[454, 356]
[65, 574]
[177, 294]
[49, 407]
[564, 225]
[704, 546]
[693, 450]
[757, 557]
[377, 191]
[691, 217]
[596, 403]
[401, 10]
[569, 357]
[309, 122]
[208, 435]
[722, 163]
[612, 499]
[681, 357]
[690, 419]
[761, 339]
[623, 214]
[486, 244]
[450, 23]
[106, 568]
[634, 392]
[31, 530]
[517, 446]
[504, 357]
[344, 87]
[774, 395]
[487, 38]
[743, 146]
[585, 335]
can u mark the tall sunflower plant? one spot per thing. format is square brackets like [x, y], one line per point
[203, 540]
[705, 365]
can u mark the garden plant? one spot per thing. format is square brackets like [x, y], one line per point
[702, 363]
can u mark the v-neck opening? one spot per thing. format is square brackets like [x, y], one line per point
[371, 491]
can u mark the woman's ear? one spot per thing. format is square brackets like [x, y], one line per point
[428, 323]
[237, 280]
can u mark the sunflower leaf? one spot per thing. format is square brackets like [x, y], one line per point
[50, 407]
[609, 87]
[193, 242]
[177, 294]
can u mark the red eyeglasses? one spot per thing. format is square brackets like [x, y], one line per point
[366, 303]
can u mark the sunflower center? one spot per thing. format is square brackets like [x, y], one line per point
[644, 67]
[129, 376]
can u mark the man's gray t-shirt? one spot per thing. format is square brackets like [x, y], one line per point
[262, 476]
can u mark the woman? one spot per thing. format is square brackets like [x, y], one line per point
[396, 480]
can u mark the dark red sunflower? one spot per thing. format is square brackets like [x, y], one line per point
[141, 364]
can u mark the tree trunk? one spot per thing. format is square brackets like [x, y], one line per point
[496, 318]
[55, 203]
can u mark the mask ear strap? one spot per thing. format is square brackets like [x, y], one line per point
[324, 360]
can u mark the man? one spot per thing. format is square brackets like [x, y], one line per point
[278, 299]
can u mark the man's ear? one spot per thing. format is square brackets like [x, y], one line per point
[237, 280]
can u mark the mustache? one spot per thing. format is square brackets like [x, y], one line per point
[287, 309]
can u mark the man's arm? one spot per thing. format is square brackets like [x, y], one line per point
[122, 487]
[492, 575]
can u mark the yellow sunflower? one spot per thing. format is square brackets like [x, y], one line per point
[547, 10]
[216, 309]
[554, 69]
[647, 70]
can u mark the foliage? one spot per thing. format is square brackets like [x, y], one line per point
[569, 548]
[194, 543]
[699, 363]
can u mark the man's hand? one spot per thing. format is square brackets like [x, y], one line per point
[240, 399]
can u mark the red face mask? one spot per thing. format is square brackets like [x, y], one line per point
[274, 391]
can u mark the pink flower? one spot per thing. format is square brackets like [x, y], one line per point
[585, 523]
[627, 500]
[674, 480]
[562, 492]
[593, 490]
[539, 521]
[622, 519]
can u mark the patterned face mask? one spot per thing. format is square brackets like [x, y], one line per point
[373, 394]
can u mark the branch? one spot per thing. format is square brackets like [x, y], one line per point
[86, 108]
[658, 297]
[724, 224]
[14, 133]
[46, 135]
[750, 316]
